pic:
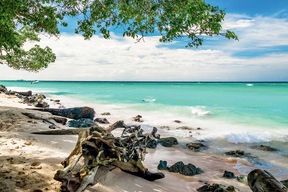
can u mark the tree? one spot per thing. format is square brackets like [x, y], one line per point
[24, 20]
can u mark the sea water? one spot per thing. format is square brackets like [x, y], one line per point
[237, 113]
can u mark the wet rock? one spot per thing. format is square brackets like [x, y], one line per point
[138, 118]
[168, 141]
[177, 121]
[162, 165]
[188, 170]
[72, 113]
[264, 148]
[61, 120]
[26, 93]
[81, 123]
[261, 180]
[102, 120]
[229, 174]
[236, 153]
[106, 113]
[185, 128]
[152, 144]
[215, 187]
[196, 147]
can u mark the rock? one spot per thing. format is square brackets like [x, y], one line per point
[42, 104]
[101, 120]
[61, 120]
[177, 121]
[152, 144]
[188, 170]
[285, 182]
[264, 148]
[215, 187]
[242, 179]
[236, 153]
[196, 147]
[168, 141]
[162, 165]
[27, 93]
[185, 128]
[3, 89]
[138, 118]
[106, 113]
[81, 123]
[229, 174]
[261, 180]
[72, 113]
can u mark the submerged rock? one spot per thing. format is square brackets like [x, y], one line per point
[152, 144]
[168, 141]
[188, 170]
[196, 147]
[264, 148]
[236, 153]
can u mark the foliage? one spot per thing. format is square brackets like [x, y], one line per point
[24, 20]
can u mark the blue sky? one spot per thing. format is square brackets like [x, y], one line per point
[261, 54]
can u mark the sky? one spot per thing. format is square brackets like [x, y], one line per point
[261, 54]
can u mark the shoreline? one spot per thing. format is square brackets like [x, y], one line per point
[212, 164]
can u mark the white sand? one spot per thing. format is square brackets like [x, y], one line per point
[20, 150]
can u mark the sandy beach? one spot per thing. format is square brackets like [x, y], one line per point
[29, 161]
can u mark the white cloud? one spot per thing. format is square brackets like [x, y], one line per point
[123, 59]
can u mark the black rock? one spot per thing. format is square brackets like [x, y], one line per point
[196, 147]
[285, 182]
[236, 153]
[264, 148]
[102, 120]
[81, 123]
[229, 174]
[152, 144]
[188, 170]
[162, 165]
[215, 187]
[3, 89]
[168, 141]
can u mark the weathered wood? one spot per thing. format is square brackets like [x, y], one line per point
[98, 147]
[72, 113]
[263, 181]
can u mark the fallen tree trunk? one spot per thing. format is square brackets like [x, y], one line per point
[72, 113]
[97, 147]
[263, 181]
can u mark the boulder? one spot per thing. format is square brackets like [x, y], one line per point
[72, 113]
[102, 120]
[188, 170]
[138, 118]
[27, 93]
[217, 187]
[196, 147]
[168, 141]
[84, 122]
[261, 181]
[236, 153]
[152, 144]
[229, 174]
[162, 165]
[177, 121]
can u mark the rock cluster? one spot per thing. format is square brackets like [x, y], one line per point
[180, 167]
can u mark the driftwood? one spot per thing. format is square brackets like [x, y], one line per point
[263, 181]
[97, 147]
[72, 113]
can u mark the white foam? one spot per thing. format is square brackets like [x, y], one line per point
[199, 111]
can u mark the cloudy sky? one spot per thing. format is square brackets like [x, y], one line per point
[261, 54]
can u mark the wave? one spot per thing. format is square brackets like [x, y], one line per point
[149, 100]
[199, 111]
[249, 85]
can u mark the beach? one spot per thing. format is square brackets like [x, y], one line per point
[29, 162]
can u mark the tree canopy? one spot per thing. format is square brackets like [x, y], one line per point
[24, 20]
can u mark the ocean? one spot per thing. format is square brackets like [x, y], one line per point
[230, 114]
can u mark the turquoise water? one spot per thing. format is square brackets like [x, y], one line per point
[259, 104]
